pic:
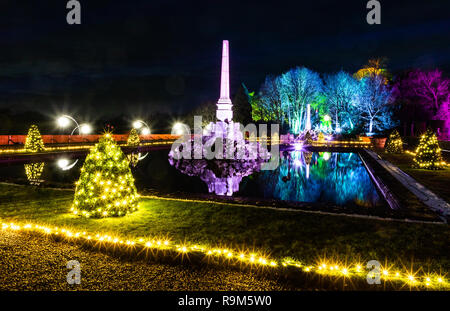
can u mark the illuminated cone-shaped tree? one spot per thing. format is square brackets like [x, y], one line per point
[34, 142]
[308, 138]
[428, 153]
[321, 138]
[106, 185]
[308, 157]
[133, 141]
[34, 172]
[133, 138]
[394, 143]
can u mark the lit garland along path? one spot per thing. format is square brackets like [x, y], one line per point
[414, 279]
[5, 151]
[426, 196]
[35, 262]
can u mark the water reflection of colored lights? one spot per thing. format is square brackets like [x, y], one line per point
[338, 178]
[298, 146]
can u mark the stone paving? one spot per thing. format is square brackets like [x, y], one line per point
[426, 196]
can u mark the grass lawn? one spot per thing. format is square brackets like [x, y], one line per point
[437, 181]
[303, 236]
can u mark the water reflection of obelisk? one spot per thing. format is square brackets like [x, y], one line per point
[224, 105]
[222, 175]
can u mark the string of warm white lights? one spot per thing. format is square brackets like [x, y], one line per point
[394, 144]
[48, 148]
[443, 163]
[428, 153]
[80, 147]
[344, 144]
[324, 267]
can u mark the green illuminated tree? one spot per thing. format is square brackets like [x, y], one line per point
[394, 143]
[34, 172]
[34, 142]
[428, 153]
[133, 139]
[321, 137]
[308, 138]
[106, 185]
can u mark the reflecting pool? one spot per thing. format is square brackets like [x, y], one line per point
[337, 178]
[319, 177]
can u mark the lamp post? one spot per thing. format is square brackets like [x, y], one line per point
[64, 121]
[84, 128]
[179, 129]
[145, 130]
[142, 126]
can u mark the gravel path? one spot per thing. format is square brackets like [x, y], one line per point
[30, 262]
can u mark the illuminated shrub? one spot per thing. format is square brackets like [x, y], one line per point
[321, 138]
[34, 142]
[394, 143]
[34, 172]
[106, 185]
[308, 138]
[308, 157]
[133, 139]
[428, 153]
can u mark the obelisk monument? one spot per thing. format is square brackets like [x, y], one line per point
[224, 106]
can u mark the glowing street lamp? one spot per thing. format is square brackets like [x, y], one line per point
[64, 121]
[179, 129]
[145, 130]
[85, 129]
[139, 124]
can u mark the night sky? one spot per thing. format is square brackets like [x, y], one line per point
[139, 56]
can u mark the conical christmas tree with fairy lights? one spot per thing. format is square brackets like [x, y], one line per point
[133, 139]
[394, 143]
[308, 138]
[106, 185]
[321, 137]
[34, 142]
[428, 153]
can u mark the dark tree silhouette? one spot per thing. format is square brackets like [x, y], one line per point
[242, 109]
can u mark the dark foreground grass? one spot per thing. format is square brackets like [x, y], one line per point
[437, 181]
[304, 236]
